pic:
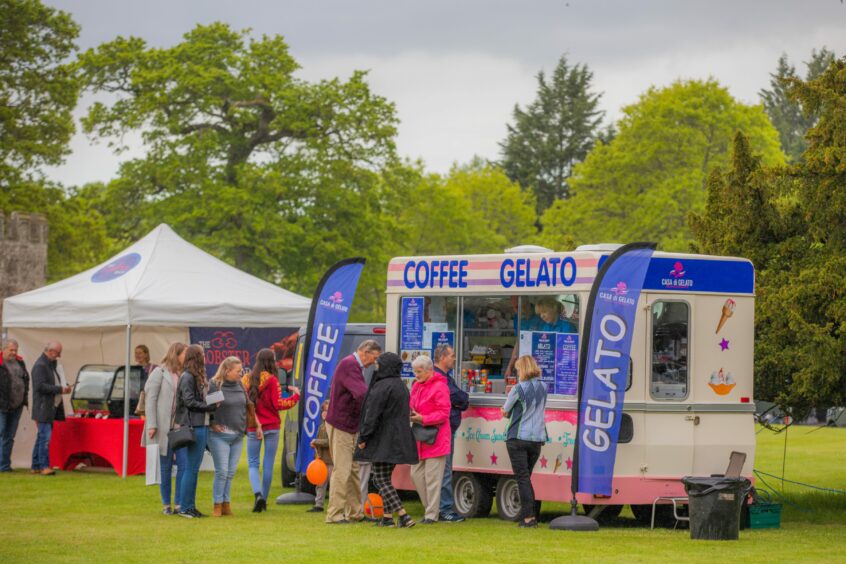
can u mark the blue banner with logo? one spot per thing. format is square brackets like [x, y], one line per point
[606, 348]
[327, 323]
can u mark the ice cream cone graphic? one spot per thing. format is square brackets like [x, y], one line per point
[557, 464]
[728, 311]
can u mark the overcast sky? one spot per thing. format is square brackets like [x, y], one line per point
[456, 68]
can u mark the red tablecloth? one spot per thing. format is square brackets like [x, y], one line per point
[103, 437]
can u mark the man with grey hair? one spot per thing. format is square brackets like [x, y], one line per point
[346, 396]
[14, 391]
[459, 401]
[47, 390]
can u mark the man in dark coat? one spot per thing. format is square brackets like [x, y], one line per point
[459, 401]
[346, 396]
[47, 390]
[385, 437]
[14, 391]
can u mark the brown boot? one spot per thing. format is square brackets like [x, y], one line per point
[226, 509]
[216, 512]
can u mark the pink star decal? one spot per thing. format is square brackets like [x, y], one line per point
[724, 345]
[494, 458]
[469, 457]
[569, 463]
[543, 461]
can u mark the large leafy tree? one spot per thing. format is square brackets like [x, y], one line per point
[279, 176]
[786, 113]
[642, 184]
[38, 88]
[553, 133]
[790, 222]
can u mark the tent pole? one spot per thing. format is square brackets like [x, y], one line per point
[126, 384]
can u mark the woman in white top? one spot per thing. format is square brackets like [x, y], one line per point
[160, 392]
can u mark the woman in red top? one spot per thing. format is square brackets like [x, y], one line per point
[263, 387]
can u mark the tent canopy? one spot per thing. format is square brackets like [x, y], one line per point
[161, 280]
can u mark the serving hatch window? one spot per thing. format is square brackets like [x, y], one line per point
[670, 338]
[425, 323]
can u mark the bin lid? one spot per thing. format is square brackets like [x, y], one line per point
[704, 485]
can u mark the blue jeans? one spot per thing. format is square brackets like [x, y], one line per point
[226, 451]
[41, 448]
[180, 457]
[188, 484]
[446, 487]
[271, 443]
[8, 429]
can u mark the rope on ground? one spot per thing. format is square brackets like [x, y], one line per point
[832, 490]
[778, 495]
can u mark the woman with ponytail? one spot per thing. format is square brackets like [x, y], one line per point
[265, 392]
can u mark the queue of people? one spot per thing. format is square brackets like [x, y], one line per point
[373, 426]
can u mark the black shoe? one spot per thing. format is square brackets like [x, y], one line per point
[260, 504]
[315, 509]
[385, 522]
[450, 517]
[533, 524]
[196, 513]
[406, 522]
[341, 522]
[167, 510]
[428, 522]
[371, 519]
[188, 514]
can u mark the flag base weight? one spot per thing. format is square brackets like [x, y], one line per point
[295, 498]
[573, 523]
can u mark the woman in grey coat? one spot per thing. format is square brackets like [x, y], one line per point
[160, 393]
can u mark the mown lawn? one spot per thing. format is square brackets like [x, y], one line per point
[96, 517]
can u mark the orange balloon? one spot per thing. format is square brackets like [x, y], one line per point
[373, 505]
[317, 472]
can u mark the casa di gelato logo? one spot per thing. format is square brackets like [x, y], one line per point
[116, 268]
[676, 278]
[335, 302]
[618, 294]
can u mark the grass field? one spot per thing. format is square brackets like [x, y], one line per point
[86, 516]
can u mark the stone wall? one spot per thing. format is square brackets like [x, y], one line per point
[23, 253]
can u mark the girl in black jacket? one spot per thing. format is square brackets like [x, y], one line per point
[385, 437]
[192, 410]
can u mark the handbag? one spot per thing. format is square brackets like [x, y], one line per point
[252, 422]
[424, 433]
[182, 436]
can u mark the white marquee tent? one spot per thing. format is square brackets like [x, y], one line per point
[150, 293]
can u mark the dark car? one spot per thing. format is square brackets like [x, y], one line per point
[353, 336]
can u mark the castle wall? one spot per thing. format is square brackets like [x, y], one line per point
[23, 253]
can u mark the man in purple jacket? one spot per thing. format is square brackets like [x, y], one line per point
[459, 401]
[346, 396]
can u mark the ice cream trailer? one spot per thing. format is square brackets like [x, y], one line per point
[689, 399]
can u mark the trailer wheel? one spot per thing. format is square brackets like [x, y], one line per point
[507, 498]
[607, 515]
[471, 497]
[663, 514]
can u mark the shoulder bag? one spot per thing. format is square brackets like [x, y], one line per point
[424, 433]
[182, 436]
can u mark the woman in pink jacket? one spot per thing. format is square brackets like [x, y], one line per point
[430, 407]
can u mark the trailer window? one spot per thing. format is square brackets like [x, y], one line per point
[670, 337]
[425, 323]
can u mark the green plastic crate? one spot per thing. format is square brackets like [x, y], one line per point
[764, 516]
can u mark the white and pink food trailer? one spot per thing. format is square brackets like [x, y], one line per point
[689, 400]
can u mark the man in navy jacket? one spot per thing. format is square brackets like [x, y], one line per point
[14, 390]
[47, 405]
[459, 401]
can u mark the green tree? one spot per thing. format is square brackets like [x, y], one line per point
[786, 113]
[553, 133]
[278, 176]
[791, 221]
[643, 184]
[473, 209]
[38, 90]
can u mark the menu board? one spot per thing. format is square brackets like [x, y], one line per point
[442, 338]
[557, 355]
[411, 333]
